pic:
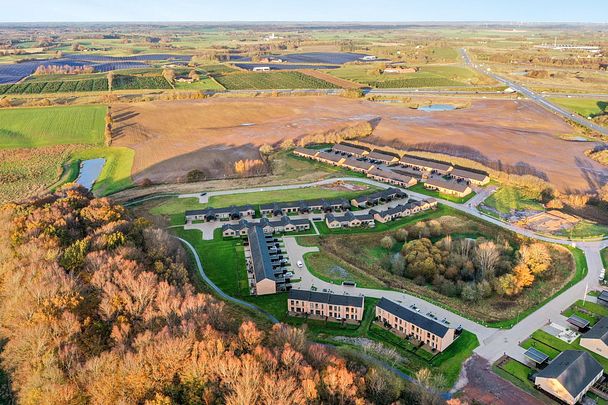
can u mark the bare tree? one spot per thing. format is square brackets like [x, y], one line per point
[487, 256]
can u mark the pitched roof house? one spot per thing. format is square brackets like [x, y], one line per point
[596, 339]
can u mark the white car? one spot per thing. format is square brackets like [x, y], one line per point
[300, 264]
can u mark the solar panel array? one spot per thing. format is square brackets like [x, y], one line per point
[578, 321]
[536, 355]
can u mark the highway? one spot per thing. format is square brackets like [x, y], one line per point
[539, 99]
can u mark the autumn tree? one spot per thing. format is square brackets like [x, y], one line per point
[487, 257]
[169, 75]
[387, 242]
[536, 257]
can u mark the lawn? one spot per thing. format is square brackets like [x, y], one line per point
[271, 80]
[584, 229]
[509, 198]
[583, 106]
[116, 172]
[37, 127]
[604, 253]
[333, 270]
[175, 207]
[419, 188]
[205, 83]
[518, 371]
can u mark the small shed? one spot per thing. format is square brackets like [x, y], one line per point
[536, 355]
[580, 323]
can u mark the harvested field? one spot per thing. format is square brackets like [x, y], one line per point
[345, 84]
[172, 138]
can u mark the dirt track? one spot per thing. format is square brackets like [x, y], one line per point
[173, 137]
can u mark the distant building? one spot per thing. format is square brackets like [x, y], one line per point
[330, 158]
[399, 70]
[306, 153]
[357, 165]
[480, 179]
[403, 210]
[569, 376]
[596, 339]
[407, 322]
[448, 187]
[391, 177]
[369, 57]
[349, 150]
[324, 305]
[426, 165]
[214, 214]
[261, 69]
[382, 157]
[379, 197]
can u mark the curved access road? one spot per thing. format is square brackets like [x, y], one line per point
[493, 342]
[218, 290]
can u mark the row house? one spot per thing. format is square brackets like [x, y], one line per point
[349, 220]
[391, 177]
[328, 306]
[349, 150]
[223, 214]
[284, 224]
[458, 189]
[379, 197]
[384, 158]
[477, 178]
[426, 165]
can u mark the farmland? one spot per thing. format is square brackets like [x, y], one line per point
[272, 80]
[132, 82]
[56, 86]
[36, 127]
[583, 106]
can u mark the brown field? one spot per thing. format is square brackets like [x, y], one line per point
[345, 84]
[172, 138]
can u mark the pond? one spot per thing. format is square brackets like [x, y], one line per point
[89, 172]
[437, 107]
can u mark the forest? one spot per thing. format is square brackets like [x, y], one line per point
[96, 307]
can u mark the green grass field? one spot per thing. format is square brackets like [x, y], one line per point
[427, 76]
[68, 85]
[116, 173]
[509, 198]
[205, 83]
[36, 127]
[583, 106]
[333, 270]
[130, 82]
[271, 80]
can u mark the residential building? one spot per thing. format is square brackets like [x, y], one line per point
[458, 189]
[569, 376]
[261, 69]
[426, 165]
[306, 153]
[261, 263]
[329, 158]
[214, 214]
[284, 224]
[382, 157]
[349, 220]
[357, 165]
[349, 150]
[403, 210]
[324, 305]
[391, 177]
[596, 339]
[407, 322]
[477, 178]
[378, 197]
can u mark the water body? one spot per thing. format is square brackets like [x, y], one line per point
[89, 172]
[437, 107]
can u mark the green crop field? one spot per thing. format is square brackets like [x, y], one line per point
[126, 82]
[582, 106]
[272, 80]
[56, 86]
[426, 76]
[205, 83]
[36, 127]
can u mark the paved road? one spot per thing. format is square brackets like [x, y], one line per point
[493, 342]
[539, 99]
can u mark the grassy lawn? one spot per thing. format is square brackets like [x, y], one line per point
[583, 106]
[205, 83]
[36, 127]
[116, 172]
[584, 229]
[333, 270]
[516, 373]
[604, 253]
[175, 207]
[509, 198]
[276, 304]
[419, 188]
[223, 261]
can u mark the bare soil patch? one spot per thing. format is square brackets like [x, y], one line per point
[173, 137]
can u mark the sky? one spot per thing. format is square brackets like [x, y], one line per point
[304, 10]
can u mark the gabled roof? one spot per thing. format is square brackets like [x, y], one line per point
[389, 174]
[376, 155]
[603, 296]
[574, 369]
[307, 152]
[410, 160]
[348, 149]
[332, 157]
[448, 185]
[262, 265]
[326, 298]
[212, 211]
[599, 331]
[413, 317]
[351, 162]
[467, 174]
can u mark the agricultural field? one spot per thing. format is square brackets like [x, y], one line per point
[271, 80]
[132, 82]
[36, 127]
[427, 76]
[56, 86]
[583, 106]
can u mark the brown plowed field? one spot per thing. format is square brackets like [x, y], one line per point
[173, 137]
[345, 84]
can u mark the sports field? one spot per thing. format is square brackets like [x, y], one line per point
[37, 127]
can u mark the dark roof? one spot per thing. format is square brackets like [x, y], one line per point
[536, 355]
[389, 174]
[578, 321]
[599, 331]
[348, 149]
[321, 297]
[574, 369]
[306, 151]
[448, 185]
[423, 322]
[467, 174]
[211, 211]
[394, 210]
[603, 296]
[410, 160]
[262, 265]
[329, 156]
[381, 156]
[390, 192]
[351, 162]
